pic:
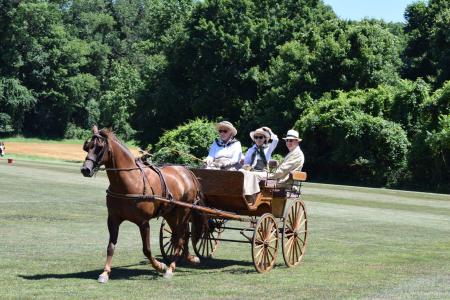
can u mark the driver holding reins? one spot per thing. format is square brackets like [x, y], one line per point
[226, 151]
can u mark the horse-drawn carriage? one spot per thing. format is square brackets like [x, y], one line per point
[276, 214]
[195, 204]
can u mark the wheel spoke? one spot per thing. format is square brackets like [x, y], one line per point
[295, 251]
[288, 235]
[167, 243]
[302, 223]
[297, 221]
[299, 247]
[169, 250]
[201, 246]
[259, 252]
[287, 246]
[272, 247]
[271, 233]
[266, 259]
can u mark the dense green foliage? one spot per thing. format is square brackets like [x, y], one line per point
[187, 144]
[145, 67]
[354, 146]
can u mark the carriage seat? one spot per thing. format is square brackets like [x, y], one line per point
[291, 186]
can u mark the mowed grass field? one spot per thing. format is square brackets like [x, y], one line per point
[363, 244]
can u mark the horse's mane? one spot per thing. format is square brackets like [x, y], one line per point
[109, 134]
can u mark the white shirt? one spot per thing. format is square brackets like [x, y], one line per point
[267, 151]
[232, 152]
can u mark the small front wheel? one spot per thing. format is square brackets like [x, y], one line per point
[265, 243]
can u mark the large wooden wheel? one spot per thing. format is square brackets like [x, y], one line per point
[166, 242]
[205, 235]
[265, 243]
[295, 230]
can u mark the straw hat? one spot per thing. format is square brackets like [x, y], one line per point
[292, 135]
[227, 125]
[261, 132]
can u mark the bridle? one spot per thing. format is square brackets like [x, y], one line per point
[96, 159]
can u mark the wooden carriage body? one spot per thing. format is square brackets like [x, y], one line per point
[276, 214]
[224, 190]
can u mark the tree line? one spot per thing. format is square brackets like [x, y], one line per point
[370, 98]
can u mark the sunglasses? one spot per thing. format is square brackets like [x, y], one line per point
[289, 141]
[223, 131]
[259, 137]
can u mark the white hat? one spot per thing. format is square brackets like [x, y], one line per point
[292, 135]
[261, 131]
[227, 125]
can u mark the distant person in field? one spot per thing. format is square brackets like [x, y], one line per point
[2, 149]
[260, 153]
[294, 159]
[226, 151]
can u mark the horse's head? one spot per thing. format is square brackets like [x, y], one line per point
[2, 149]
[97, 149]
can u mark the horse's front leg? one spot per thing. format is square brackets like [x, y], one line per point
[145, 235]
[113, 228]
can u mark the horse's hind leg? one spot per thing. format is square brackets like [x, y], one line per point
[193, 259]
[113, 228]
[145, 235]
[179, 223]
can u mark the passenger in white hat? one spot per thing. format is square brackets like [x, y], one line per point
[226, 151]
[294, 159]
[260, 153]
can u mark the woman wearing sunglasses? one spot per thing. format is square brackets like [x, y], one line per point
[260, 153]
[226, 151]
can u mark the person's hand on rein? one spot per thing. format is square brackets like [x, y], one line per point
[208, 161]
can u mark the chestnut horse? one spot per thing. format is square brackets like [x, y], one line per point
[129, 178]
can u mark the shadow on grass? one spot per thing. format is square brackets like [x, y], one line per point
[230, 266]
[119, 272]
[127, 272]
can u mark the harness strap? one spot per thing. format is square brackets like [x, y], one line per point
[165, 190]
[144, 178]
[130, 196]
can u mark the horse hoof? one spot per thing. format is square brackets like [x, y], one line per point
[103, 278]
[163, 267]
[168, 275]
[195, 260]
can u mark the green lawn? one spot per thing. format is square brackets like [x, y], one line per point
[363, 244]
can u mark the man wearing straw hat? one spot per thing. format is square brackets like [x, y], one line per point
[294, 159]
[226, 151]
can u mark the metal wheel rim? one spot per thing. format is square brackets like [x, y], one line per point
[205, 242]
[295, 231]
[265, 243]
